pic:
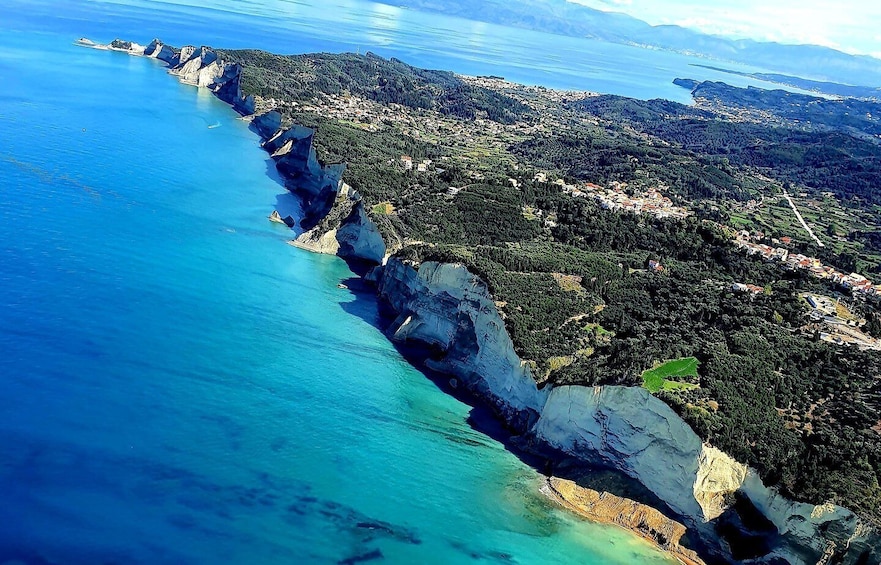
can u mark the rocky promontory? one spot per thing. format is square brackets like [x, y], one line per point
[198, 66]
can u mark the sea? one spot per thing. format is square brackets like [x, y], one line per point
[179, 385]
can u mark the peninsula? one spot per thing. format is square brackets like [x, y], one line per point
[576, 263]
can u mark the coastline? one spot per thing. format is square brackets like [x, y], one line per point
[522, 412]
[605, 508]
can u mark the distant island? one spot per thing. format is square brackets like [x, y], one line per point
[628, 285]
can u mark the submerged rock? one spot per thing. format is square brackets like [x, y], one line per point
[289, 220]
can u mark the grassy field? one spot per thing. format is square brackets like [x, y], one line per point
[662, 376]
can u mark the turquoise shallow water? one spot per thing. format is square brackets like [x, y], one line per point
[180, 386]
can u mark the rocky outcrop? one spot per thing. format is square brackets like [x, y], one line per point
[718, 475]
[318, 242]
[267, 124]
[630, 430]
[289, 221]
[607, 508]
[345, 230]
[200, 66]
[334, 218]
[360, 238]
[450, 311]
[158, 50]
[127, 46]
[296, 159]
[813, 530]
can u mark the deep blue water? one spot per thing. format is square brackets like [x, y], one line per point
[180, 386]
[425, 40]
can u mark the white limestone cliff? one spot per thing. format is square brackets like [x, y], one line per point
[201, 67]
[344, 229]
[158, 50]
[359, 237]
[449, 310]
[267, 124]
[631, 431]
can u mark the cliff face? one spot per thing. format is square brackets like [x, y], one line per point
[345, 230]
[629, 430]
[201, 67]
[448, 310]
[158, 50]
[267, 124]
[198, 66]
[334, 217]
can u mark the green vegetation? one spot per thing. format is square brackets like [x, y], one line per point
[570, 276]
[390, 81]
[666, 376]
[825, 158]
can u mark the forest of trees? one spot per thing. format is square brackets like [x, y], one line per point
[830, 159]
[300, 77]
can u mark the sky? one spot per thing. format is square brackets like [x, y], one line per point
[853, 26]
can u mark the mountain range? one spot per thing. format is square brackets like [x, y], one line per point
[566, 18]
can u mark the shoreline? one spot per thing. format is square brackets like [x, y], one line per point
[513, 413]
[651, 526]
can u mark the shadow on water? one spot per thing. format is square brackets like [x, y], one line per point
[272, 173]
[288, 205]
[481, 418]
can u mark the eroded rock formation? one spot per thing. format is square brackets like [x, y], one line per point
[607, 508]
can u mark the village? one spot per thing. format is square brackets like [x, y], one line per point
[796, 261]
[830, 318]
[833, 321]
[650, 201]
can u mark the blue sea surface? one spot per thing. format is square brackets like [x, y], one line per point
[178, 384]
[426, 40]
